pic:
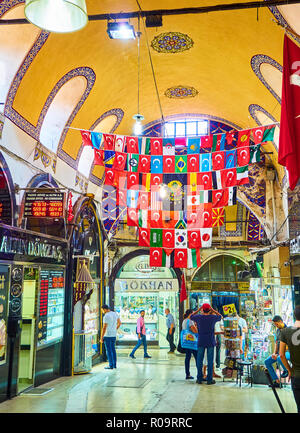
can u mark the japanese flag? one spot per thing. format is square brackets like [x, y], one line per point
[206, 237]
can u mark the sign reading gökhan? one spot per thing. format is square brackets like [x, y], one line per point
[150, 285]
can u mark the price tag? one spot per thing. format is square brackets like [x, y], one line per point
[229, 309]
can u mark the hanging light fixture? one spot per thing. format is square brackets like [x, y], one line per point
[138, 126]
[58, 16]
[120, 30]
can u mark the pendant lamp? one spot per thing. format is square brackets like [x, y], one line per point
[58, 16]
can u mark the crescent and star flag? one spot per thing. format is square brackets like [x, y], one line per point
[194, 259]
[168, 238]
[243, 156]
[205, 162]
[243, 138]
[132, 180]
[206, 237]
[144, 164]
[220, 197]
[132, 144]
[206, 215]
[155, 219]
[230, 158]
[109, 176]
[180, 258]
[155, 257]
[132, 217]
[206, 142]
[96, 138]
[98, 157]
[143, 200]
[230, 137]
[218, 160]
[194, 239]
[218, 217]
[205, 180]
[228, 177]
[86, 138]
[257, 134]
[169, 146]
[194, 219]
[121, 199]
[156, 180]
[144, 237]
[193, 145]
[183, 294]
[120, 161]
[169, 163]
[193, 163]
[156, 146]
[156, 164]
[120, 143]
[109, 141]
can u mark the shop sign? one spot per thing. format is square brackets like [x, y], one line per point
[295, 245]
[244, 286]
[201, 286]
[229, 309]
[150, 285]
[17, 244]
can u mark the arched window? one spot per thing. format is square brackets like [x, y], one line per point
[223, 268]
[60, 110]
[185, 127]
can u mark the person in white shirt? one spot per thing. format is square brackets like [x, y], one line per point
[219, 330]
[244, 327]
[111, 323]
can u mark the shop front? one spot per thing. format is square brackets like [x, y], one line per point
[140, 287]
[32, 309]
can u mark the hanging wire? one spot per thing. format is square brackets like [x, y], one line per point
[138, 44]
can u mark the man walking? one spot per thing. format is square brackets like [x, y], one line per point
[275, 357]
[170, 323]
[290, 337]
[141, 332]
[111, 323]
[206, 321]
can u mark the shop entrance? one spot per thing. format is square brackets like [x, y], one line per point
[27, 337]
[140, 287]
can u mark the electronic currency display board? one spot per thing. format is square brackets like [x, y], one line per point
[44, 204]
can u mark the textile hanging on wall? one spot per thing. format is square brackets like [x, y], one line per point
[176, 190]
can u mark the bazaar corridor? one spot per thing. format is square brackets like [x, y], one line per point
[154, 385]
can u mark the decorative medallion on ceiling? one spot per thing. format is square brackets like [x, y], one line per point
[172, 42]
[181, 92]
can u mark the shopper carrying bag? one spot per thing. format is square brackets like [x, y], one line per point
[189, 341]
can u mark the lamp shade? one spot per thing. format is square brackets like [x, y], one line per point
[84, 275]
[58, 16]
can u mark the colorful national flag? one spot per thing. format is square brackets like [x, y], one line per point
[228, 177]
[205, 162]
[205, 180]
[169, 146]
[120, 143]
[180, 238]
[206, 237]
[132, 180]
[242, 177]
[144, 164]
[194, 238]
[169, 164]
[181, 164]
[86, 138]
[98, 157]
[156, 257]
[132, 217]
[132, 144]
[193, 200]
[180, 146]
[206, 142]
[194, 259]
[218, 217]
[243, 138]
[156, 238]
[220, 198]
[257, 134]
[121, 197]
[96, 138]
[120, 161]
[144, 145]
[193, 145]
[110, 178]
[109, 157]
[157, 164]
[243, 156]
[254, 154]
[156, 200]
[230, 137]
[231, 196]
[206, 215]
[144, 237]
[156, 180]
[109, 141]
[143, 218]
[156, 146]
[168, 238]
[218, 142]
[132, 198]
[145, 181]
[268, 134]
[216, 180]
[192, 183]
[180, 258]
[218, 160]
[155, 219]
[230, 158]
[194, 218]
[205, 196]
[193, 163]
[143, 200]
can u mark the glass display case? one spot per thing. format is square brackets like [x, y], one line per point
[92, 319]
[4, 281]
[51, 307]
[199, 298]
[128, 306]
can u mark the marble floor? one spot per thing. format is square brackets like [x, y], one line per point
[155, 385]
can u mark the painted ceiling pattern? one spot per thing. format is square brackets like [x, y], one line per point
[181, 92]
[172, 42]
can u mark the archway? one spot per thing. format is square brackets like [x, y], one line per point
[7, 197]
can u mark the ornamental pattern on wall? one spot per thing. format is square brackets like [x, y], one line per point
[256, 63]
[172, 42]
[181, 92]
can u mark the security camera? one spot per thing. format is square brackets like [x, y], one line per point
[286, 264]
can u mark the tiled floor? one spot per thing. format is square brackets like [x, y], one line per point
[148, 385]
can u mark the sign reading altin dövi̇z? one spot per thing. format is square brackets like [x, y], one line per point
[19, 245]
[149, 285]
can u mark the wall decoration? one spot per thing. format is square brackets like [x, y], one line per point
[256, 62]
[172, 42]
[82, 182]
[181, 92]
[47, 157]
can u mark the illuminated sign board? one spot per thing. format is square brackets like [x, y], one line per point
[44, 204]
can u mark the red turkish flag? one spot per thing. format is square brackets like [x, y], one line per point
[289, 138]
[243, 156]
[132, 144]
[121, 197]
[205, 180]
[243, 138]
[183, 294]
[120, 161]
[180, 258]
[98, 157]
[168, 238]
[132, 180]
[143, 200]
[218, 160]
[194, 218]
[86, 138]
[144, 237]
[220, 197]
[169, 164]
[206, 142]
[194, 239]
[156, 257]
[132, 217]
[156, 146]
[228, 177]
[156, 180]
[206, 215]
[155, 217]
[193, 163]
[258, 134]
[109, 141]
[109, 176]
[144, 164]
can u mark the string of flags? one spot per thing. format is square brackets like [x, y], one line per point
[176, 189]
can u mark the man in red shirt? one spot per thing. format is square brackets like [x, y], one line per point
[141, 332]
